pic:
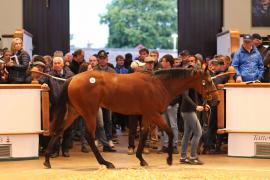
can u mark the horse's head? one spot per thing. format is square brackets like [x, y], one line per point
[207, 87]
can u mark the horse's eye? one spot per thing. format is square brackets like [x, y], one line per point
[203, 82]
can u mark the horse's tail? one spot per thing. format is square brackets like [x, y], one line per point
[60, 109]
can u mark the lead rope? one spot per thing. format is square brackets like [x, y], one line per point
[208, 113]
[48, 75]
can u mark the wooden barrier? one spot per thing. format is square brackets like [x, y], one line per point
[45, 112]
[247, 119]
[21, 120]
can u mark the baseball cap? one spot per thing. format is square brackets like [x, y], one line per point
[136, 63]
[247, 37]
[149, 59]
[184, 52]
[102, 53]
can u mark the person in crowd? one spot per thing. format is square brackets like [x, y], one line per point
[58, 53]
[137, 66]
[170, 115]
[59, 70]
[192, 126]
[3, 72]
[117, 117]
[155, 54]
[184, 55]
[68, 58]
[120, 68]
[48, 60]
[128, 60]
[257, 42]
[143, 53]
[192, 61]
[103, 65]
[149, 63]
[40, 64]
[153, 130]
[6, 57]
[135, 120]
[93, 60]
[19, 63]
[248, 62]
[78, 127]
[177, 62]
[227, 63]
[78, 59]
[199, 59]
[209, 138]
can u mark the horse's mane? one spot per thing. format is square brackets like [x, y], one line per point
[175, 73]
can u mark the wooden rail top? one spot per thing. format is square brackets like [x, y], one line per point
[20, 86]
[247, 85]
[223, 131]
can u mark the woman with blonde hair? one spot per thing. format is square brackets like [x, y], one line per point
[19, 62]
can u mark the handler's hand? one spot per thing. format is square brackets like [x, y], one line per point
[206, 107]
[45, 86]
[199, 108]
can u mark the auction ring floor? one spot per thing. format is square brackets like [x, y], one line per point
[84, 166]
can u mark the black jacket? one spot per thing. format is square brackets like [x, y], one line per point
[75, 66]
[17, 73]
[57, 85]
[189, 101]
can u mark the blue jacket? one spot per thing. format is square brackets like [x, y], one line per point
[248, 65]
[121, 69]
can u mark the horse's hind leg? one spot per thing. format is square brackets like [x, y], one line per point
[50, 148]
[139, 151]
[90, 121]
[69, 118]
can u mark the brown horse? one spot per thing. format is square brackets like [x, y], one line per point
[140, 93]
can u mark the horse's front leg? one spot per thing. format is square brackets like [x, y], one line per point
[143, 137]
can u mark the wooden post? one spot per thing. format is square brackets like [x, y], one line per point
[45, 111]
[34, 75]
[221, 108]
[232, 73]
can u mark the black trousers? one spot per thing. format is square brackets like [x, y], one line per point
[132, 125]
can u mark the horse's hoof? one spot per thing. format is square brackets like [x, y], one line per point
[109, 165]
[169, 161]
[144, 163]
[47, 165]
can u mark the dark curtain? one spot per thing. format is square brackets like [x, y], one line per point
[198, 23]
[48, 21]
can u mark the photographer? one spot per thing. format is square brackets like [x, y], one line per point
[18, 64]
